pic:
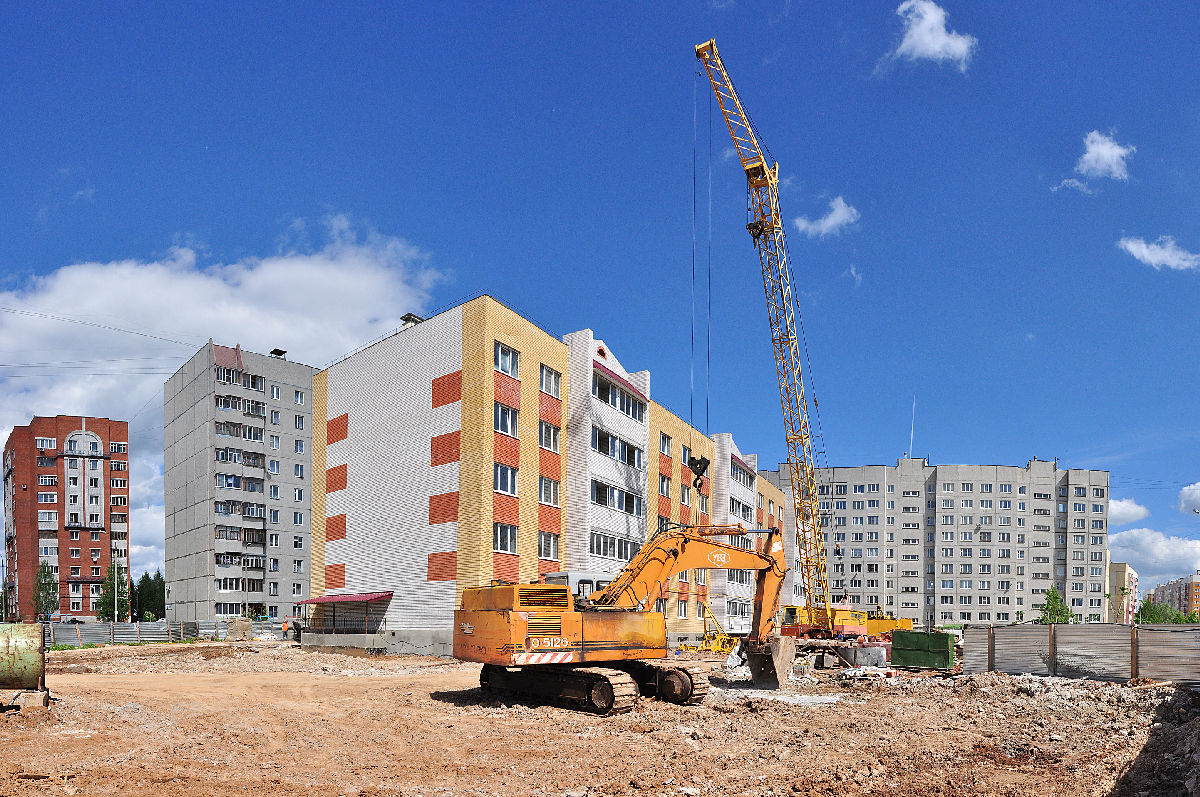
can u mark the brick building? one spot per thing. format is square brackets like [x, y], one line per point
[66, 502]
[1182, 594]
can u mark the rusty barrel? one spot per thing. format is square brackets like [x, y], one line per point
[22, 656]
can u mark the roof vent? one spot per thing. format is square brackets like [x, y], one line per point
[410, 320]
[278, 352]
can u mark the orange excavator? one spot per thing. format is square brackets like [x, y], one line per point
[599, 652]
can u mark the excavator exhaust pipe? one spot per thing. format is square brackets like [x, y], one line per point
[771, 661]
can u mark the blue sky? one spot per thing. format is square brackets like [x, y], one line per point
[1013, 190]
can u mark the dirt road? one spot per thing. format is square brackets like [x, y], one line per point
[262, 718]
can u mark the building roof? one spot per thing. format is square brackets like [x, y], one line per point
[363, 597]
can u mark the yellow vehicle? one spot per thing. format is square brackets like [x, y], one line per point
[599, 652]
[715, 640]
[881, 622]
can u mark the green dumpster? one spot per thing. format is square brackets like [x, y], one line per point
[931, 650]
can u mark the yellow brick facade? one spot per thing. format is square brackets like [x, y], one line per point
[662, 421]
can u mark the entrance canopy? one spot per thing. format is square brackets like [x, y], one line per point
[365, 597]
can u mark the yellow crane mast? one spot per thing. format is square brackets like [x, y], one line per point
[766, 228]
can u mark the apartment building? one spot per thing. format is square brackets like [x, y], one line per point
[66, 502]
[740, 497]
[963, 543]
[1122, 593]
[237, 456]
[1182, 594]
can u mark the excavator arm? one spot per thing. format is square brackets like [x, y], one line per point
[694, 547]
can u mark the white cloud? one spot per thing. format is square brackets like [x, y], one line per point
[1189, 499]
[1122, 511]
[1155, 556]
[317, 303]
[1071, 182]
[853, 273]
[1163, 253]
[729, 154]
[1103, 157]
[927, 38]
[1030, 337]
[840, 214]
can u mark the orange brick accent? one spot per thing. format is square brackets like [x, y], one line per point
[548, 566]
[664, 463]
[703, 520]
[701, 592]
[505, 509]
[443, 508]
[549, 464]
[550, 409]
[445, 448]
[337, 429]
[506, 567]
[335, 528]
[447, 389]
[508, 391]
[684, 589]
[549, 519]
[758, 517]
[335, 576]
[335, 479]
[664, 506]
[442, 566]
[685, 514]
[507, 450]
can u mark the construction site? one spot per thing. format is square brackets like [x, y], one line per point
[232, 718]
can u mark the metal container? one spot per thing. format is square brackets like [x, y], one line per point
[22, 656]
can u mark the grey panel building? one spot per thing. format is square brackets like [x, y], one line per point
[237, 440]
[961, 543]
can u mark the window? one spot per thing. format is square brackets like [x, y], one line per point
[505, 420]
[547, 545]
[615, 497]
[299, 398]
[664, 444]
[297, 494]
[746, 478]
[298, 471]
[275, 442]
[118, 500]
[504, 535]
[551, 381]
[683, 610]
[548, 436]
[297, 565]
[297, 518]
[612, 446]
[48, 516]
[275, 392]
[547, 491]
[299, 424]
[504, 479]
[273, 466]
[299, 446]
[664, 485]
[618, 397]
[47, 498]
[45, 442]
[297, 541]
[47, 481]
[116, 464]
[685, 494]
[1097, 492]
[685, 454]
[506, 360]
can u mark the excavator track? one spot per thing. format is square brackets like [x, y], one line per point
[684, 684]
[601, 690]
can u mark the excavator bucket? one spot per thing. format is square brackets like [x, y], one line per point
[771, 663]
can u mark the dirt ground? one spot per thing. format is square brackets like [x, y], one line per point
[226, 719]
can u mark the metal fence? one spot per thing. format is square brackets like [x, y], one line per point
[79, 634]
[1104, 652]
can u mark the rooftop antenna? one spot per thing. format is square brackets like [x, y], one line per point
[912, 427]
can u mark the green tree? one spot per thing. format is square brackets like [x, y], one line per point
[143, 592]
[158, 597]
[113, 586]
[1192, 617]
[1157, 613]
[45, 592]
[1054, 610]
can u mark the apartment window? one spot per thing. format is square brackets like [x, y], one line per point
[547, 545]
[297, 519]
[273, 539]
[547, 491]
[275, 392]
[273, 492]
[664, 444]
[685, 454]
[48, 516]
[299, 398]
[297, 565]
[47, 498]
[682, 611]
[548, 436]
[612, 446]
[1097, 492]
[299, 423]
[504, 479]
[504, 535]
[664, 485]
[506, 360]
[275, 443]
[505, 420]
[551, 381]
[685, 494]
[299, 446]
[619, 398]
[298, 470]
[297, 541]
[615, 497]
[298, 494]
[118, 500]
[45, 442]
[273, 588]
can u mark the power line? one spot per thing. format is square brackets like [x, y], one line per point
[93, 324]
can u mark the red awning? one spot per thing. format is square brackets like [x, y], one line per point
[620, 380]
[365, 597]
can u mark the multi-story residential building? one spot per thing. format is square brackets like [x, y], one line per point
[1182, 594]
[740, 497]
[963, 543]
[1122, 592]
[66, 501]
[510, 454]
[237, 456]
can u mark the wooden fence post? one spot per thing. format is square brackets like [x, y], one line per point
[991, 665]
[138, 627]
[78, 635]
[1133, 651]
[1053, 663]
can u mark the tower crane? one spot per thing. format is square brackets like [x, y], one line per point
[767, 231]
